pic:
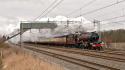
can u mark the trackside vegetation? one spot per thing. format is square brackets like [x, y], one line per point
[113, 36]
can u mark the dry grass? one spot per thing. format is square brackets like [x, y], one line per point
[2, 46]
[21, 61]
[14, 59]
[1, 64]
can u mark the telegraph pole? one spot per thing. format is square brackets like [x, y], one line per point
[97, 23]
[67, 30]
[21, 35]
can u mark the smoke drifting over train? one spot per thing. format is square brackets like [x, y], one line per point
[74, 25]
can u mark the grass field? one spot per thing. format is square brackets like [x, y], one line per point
[2, 46]
[118, 46]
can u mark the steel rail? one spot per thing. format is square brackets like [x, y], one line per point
[70, 59]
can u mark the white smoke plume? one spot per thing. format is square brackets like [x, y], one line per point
[75, 24]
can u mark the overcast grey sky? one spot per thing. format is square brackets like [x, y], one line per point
[30, 9]
[13, 11]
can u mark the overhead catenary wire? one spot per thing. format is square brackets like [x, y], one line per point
[118, 21]
[113, 18]
[121, 21]
[95, 10]
[108, 19]
[53, 8]
[87, 4]
[46, 9]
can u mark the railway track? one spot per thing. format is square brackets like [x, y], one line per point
[115, 52]
[87, 53]
[112, 51]
[97, 55]
[83, 63]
